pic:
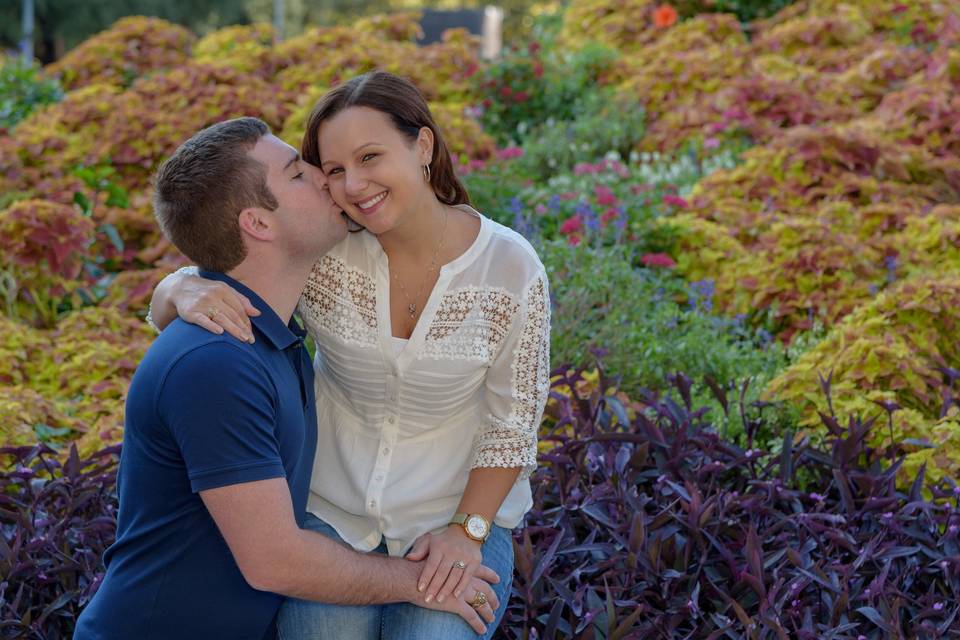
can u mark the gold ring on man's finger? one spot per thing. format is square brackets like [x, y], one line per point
[479, 600]
[460, 564]
[212, 312]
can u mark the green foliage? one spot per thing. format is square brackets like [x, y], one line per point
[601, 123]
[649, 323]
[745, 10]
[531, 82]
[43, 246]
[895, 354]
[23, 89]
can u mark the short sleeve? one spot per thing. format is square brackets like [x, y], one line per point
[517, 386]
[220, 407]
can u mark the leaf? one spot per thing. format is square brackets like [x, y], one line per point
[874, 616]
[550, 629]
[83, 202]
[111, 232]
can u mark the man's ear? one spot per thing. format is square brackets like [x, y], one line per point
[425, 143]
[257, 223]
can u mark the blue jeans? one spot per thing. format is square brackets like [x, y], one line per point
[308, 620]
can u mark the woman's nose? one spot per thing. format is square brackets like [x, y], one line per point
[353, 182]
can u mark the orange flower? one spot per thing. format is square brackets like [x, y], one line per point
[664, 16]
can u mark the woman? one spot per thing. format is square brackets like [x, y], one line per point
[432, 333]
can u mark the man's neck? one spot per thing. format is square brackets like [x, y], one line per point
[279, 287]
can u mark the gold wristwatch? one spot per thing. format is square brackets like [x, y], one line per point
[476, 526]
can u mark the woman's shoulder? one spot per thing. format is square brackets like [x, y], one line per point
[503, 239]
[509, 253]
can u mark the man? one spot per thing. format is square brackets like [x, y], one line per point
[220, 434]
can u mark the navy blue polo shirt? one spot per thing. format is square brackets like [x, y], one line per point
[203, 411]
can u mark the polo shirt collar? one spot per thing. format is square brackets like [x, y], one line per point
[268, 322]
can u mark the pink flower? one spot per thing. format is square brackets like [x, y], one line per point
[711, 143]
[571, 225]
[569, 195]
[574, 240]
[609, 214]
[657, 260]
[637, 189]
[540, 209]
[584, 168]
[521, 96]
[508, 153]
[675, 201]
[605, 195]
[506, 91]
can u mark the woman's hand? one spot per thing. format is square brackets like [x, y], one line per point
[445, 553]
[215, 306]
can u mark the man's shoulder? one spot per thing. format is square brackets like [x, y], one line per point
[187, 348]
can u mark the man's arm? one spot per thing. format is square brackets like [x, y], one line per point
[256, 519]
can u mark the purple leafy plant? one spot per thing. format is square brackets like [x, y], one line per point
[647, 525]
[56, 519]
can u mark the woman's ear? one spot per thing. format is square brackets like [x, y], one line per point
[425, 143]
[256, 223]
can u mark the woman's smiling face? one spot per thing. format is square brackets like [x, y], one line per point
[374, 170]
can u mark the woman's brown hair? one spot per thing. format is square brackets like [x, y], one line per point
[401, 100]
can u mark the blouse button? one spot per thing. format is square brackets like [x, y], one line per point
[373, 504]
[391, 419]
[386, 450]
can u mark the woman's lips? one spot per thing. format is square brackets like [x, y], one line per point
[371, 205]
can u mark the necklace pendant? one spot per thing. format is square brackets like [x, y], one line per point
[412, 309]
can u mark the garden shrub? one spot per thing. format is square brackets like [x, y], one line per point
[900, 348]
[43, 246]
[605, 124]
[531, 82]
[745, 10]
[626, 25]
[809, 210]
[649, 323]
[646, 524]
[673, 77]
[246, 48]
[57, 517]
[23, 89]
[130, 48]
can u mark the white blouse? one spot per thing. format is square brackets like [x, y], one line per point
[402, 422]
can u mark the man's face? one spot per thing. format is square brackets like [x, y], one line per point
[308, 221]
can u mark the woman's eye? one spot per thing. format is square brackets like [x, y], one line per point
[334, 171]
[298, 176]
[369, 156]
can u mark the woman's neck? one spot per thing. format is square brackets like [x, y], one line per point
[417, 235]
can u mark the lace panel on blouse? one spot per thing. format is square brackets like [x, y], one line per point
[470, 324]
[341, 301]
[513, 442]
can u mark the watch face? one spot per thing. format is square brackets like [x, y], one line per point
[476, 526]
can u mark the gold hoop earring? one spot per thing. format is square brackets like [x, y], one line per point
[426, 173]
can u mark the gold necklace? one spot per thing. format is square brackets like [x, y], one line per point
[412, 304]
